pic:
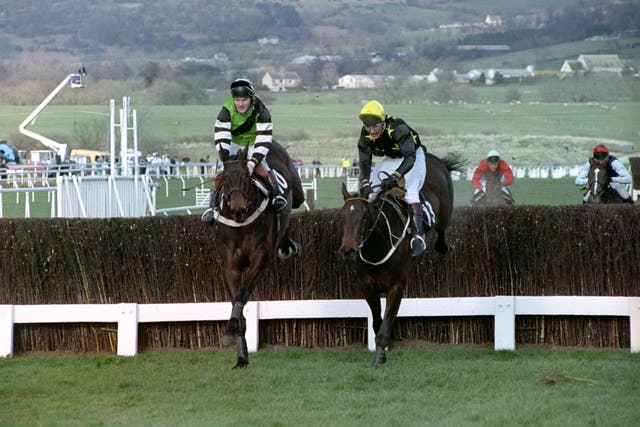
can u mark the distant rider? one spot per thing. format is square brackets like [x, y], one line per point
[403, 157]
[618, 174]
[492, 164]
[245, 122]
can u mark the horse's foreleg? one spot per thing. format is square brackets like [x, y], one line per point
[237, 323]
[383, 337]
[376, 311]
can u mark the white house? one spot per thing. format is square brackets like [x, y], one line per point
[364, 81]
[280, 82]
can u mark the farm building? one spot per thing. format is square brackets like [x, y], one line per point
[364, 81]
[593, 64]
[280, 82]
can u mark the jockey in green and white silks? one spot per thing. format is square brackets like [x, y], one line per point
[245, 122]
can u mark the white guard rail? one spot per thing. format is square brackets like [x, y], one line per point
[504, 309]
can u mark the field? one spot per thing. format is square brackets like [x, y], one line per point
[283, 387]
[325, 126]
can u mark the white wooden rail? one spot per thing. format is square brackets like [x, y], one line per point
[504, 309]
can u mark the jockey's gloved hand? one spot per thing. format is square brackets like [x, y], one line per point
[390, 182]
[365, 189]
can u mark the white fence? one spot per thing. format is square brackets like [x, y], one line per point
[504, 309]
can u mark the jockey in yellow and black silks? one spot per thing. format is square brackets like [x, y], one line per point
[403, 157]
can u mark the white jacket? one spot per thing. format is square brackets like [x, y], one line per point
[624, 177]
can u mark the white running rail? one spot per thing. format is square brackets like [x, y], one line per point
[504, 309]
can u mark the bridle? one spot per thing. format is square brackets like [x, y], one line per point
[242, 185]
[597, 186]
[381, 216]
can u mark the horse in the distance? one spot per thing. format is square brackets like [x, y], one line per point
[375, 236]
[598, 189]
[493, 196]
[250, 232]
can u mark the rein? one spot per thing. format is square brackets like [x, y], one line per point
[392, 237]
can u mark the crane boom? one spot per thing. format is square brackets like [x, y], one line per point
[76, 80]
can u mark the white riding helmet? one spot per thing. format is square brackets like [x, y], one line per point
[493, 153]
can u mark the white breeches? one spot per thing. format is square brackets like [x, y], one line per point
[414, 179]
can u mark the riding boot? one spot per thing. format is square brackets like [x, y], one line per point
[278, 199]
[418, 244]
[209, 215]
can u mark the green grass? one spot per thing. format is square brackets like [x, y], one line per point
[325, 125]
[417, 387]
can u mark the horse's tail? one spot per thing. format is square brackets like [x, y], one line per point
[454, 162]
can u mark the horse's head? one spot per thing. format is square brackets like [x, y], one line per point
[236, 185]
[356, 220]
[598, 181]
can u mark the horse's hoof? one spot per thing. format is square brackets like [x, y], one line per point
[241, 363]
[379, 358]
[442, 248]
[291, 249]
[228, 340]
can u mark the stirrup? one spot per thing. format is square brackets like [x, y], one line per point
[208, 216]
[279, 202]
[418, 245]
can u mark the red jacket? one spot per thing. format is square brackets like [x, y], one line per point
[483, 168]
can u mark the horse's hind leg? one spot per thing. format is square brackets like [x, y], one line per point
[441, 244]
[287, 247]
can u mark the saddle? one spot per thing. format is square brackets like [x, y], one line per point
[428, 215]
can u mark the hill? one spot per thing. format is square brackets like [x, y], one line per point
[118, 39]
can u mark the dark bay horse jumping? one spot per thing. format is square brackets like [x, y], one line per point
[374, 236]
[250, 231]
[598, 189]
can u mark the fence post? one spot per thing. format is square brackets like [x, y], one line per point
[127, 329]
[634, 325]
[6, 330]
[252, 334]
[505, 323]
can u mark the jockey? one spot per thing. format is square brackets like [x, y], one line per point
[403, 156]
[245, 122]
[619, 176]
[491, 164]
[6, 155]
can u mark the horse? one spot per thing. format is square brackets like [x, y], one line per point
[598, 189]
[374, 234]
[249, 231]
[493, 196]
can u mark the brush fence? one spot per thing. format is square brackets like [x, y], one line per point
[552, 275]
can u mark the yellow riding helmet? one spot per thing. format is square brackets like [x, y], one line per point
[373, 111]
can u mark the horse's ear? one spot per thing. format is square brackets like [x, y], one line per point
[242, 154]
[223, 155]
[345, 193]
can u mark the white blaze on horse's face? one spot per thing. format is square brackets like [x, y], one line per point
[595, 181]
[352, 208]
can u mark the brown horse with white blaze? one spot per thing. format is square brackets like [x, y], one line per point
[374, 236]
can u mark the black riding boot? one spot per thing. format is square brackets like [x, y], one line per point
[277, 198]
[418, 244]
[209, 215]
